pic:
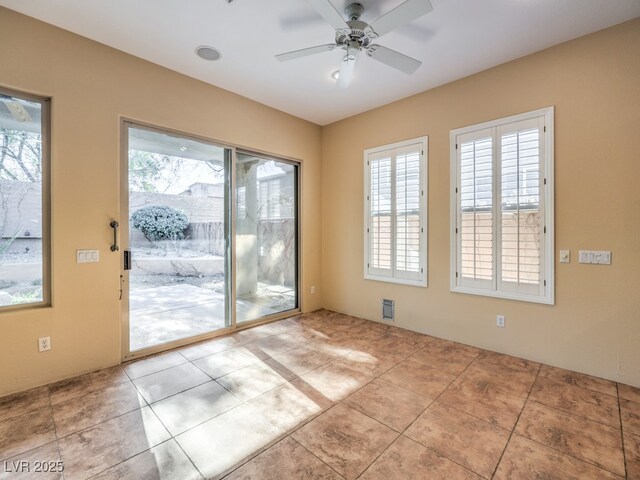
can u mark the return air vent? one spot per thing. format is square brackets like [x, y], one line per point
[388, 309]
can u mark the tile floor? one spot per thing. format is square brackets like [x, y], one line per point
[326, 396]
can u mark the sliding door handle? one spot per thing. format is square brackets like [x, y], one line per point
[127, 259]
[115, 225]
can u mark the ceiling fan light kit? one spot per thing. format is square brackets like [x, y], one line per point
[354, 36]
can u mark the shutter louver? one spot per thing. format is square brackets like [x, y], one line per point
[520, 208]
[476, 202]
[407, 212]
[380, 214]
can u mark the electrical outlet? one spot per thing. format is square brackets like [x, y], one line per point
[44, 344]
[313, 289]
[500, 321]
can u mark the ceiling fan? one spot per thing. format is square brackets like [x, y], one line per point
[354, 36]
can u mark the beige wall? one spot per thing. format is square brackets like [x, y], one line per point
[595, 325]
[92, 86]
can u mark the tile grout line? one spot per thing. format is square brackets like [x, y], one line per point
[506, 445]
[402, 433]
[55, 429]
[431, 404]
[577, 414]
[624, 451]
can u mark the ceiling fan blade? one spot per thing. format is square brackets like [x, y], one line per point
[394, 59]
[283, 57]
[330, 14]
[403, 13]
[346, 69]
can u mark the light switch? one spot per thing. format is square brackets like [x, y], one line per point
[87, 256]
[597, 257]
[565, 256]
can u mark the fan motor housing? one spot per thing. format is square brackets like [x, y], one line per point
[356, 33]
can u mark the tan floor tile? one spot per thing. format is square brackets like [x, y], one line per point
[247, 336]
[83, 384]
[272, 328]
[194, 406]
[300, 360]
[506, 379]
[209, 347]
[500, 359]
[632, 452]
[226, 362]
[369, 358]
[25, 466]
[274, 345]
[347, 338]
[26, 432]
[153, 364]
[628, 392]
[452, 350]
[398, 345]
[168, 382]
[454, 365]
[580, 401]
[409, 460]
[423, 379]
[366, 333]
[225, 441]
[412, 337]
[318, 395]
[630, 416]
[579, 380]
[285, 460]
[252, 381]
[286, 407]
[462, 438]
[107, 444]
[336, 352]
[79, 413]
[345, 439]
[480, 399]
[391, 405]
[23, 402]
[334, 381]
[163, 462]
[526, 459]
[587, 440]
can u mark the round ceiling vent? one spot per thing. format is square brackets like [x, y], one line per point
[207, 53]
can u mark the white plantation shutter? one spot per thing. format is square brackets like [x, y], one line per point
[475, 218]
[395, 213]
[521, 226]
[380, 214]
[502, 205]
[407, 212]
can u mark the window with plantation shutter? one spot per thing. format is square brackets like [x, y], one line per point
[395, 212]
[502, 208]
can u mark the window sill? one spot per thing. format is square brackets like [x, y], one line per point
[520, 297]
[399, 281]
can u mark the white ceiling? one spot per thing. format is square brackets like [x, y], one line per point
[458, 38]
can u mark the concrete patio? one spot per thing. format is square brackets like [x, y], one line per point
[164, 314]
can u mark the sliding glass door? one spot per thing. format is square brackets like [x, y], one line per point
[266, 224]
[176, 253]
[180, 195]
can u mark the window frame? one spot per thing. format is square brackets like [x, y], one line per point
[393, 277]
[45, 133]
[547, 207]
